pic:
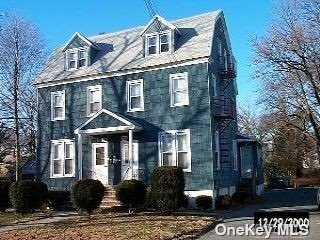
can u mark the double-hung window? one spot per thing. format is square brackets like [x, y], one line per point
[58, 105]
[179, 89]
[82, 58]
[175, 149]
[157, 43]
[77, 58]
[94, 99]
[62, 158]
[164, 42]
[152, 45]
[235, 154]
[135, 100]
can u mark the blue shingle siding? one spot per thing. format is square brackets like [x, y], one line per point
[157, 116]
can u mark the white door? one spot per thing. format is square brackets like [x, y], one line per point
[100, 162]
[126, 170]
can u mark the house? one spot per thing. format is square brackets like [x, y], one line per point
[116, 106]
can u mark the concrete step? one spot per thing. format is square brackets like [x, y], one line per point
[109, 199]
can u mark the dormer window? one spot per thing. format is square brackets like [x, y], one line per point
[157, 43]
[77, 58]
[82, 58]
[164, 42]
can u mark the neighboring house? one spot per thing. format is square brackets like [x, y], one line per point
[116, 106]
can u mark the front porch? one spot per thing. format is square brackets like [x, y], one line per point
[107, 148]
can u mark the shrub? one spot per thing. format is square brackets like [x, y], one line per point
[168, 188]
[223, 202]
[43, 191]
[25, 196]
[150, 201]
[185, 201]
[4, 195]
[59, 200]
[131, 193]
[240, 197]
[204, 202]
[87, 194]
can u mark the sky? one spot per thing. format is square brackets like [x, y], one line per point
[57, 20]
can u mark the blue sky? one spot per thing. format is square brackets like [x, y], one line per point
[58, 20]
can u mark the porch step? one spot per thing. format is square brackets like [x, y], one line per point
[109, 199]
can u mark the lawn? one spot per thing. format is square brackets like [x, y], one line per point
[9, 218]
[117, 226]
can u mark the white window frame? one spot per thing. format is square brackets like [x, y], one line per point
[174, 144]
[172, 77]
[76, 51]
[62, 154]
[158, 43]
[235, 155]
[215, 90]
[53, 94]
[84, 58]
[89, 90]
[129, 96]
[217, 150]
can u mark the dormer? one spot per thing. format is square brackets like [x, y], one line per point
[79, 52]
[159, 37]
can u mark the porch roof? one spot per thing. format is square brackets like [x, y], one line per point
[105, 121]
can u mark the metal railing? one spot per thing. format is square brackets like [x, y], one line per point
[224, 108]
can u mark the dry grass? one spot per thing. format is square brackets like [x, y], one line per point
[117, 226]
[9, 218]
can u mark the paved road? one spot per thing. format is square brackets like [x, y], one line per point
[301, 199]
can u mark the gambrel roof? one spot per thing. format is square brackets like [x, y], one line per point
[123, 51]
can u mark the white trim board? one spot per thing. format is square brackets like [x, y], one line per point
[163, 21]
[130, 126]
[83, 38]
[122, 72]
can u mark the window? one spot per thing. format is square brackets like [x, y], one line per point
[175, 149]
[179, 89]
[62, 158]
[214, 83]
[152, 45]
[217, 150]
[82, 58]
[135, 95]
[225, 57]
[158, 43]
[164, 42]
[94, 96]
[235, 154]
[77, 58]
[58, 105]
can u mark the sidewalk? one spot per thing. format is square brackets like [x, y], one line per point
[55, 217]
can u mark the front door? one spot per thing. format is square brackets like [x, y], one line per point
[126, 171]
[246, 161]
[100, 162]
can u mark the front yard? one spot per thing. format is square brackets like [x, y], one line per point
[9, 218]
[117, 226]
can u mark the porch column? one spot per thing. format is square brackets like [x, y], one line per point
[130, 151]
[80, 155]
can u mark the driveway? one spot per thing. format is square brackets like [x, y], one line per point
[300, 199]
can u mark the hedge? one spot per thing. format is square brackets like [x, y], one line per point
[167, 188]
[25, 196]
[204, 202]
[4, 195]
[87, 194]
[131, 193]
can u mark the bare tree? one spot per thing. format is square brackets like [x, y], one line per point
[22, 54]
[287, 62]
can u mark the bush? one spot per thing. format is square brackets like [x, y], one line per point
[223, 202]
[87, 194]
[131, 193]
[25, 196]
[240, 197]
[4, 195]
[204, 202]
[43, 191]
[167, 188]
[185, 201]
[59, 200]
